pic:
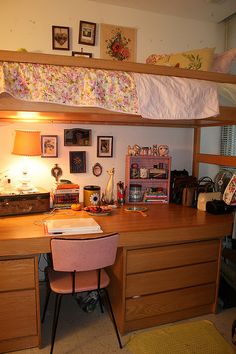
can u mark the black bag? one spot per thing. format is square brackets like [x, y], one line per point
[218, 207]
[173, 176]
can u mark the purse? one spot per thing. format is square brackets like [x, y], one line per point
[182, 189]
[203, 198]
[218, 207]
[204, 185]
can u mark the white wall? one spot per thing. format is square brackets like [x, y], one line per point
[179, 140]
[27, 24]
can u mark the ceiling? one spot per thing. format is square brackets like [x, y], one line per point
[203, 10]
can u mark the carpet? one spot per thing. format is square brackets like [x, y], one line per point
[199, 337]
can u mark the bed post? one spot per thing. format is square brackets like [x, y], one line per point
[196, 151]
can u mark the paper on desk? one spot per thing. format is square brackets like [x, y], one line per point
[72, 226]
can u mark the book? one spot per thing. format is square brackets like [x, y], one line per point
[71, 226]
[67, 186]
[66, 198]
[66, 191]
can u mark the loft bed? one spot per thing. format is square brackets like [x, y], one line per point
[14, 109]
[11, 107]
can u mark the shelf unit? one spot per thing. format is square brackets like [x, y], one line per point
[161, 183]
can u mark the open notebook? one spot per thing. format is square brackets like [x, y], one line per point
[71, 226]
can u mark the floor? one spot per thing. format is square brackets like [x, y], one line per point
[93, 333]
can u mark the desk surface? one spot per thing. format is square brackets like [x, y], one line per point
[164, 224]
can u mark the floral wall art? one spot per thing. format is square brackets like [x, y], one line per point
[118, 43]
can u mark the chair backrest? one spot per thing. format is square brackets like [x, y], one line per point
[70, 255]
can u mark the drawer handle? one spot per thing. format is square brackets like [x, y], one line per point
[136, 296]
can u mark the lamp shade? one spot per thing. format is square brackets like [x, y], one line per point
[27, 143]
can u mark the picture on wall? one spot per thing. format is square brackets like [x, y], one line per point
[118, 43]
[49, 145]
[104, 146]
[77, 137]
[82, 54]
[60, 38]
[87, 33]
[77, 161]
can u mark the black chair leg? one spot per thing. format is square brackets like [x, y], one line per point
[55, 319]
[113, 318]
[100, 300]
[234, 332]
[46, 305]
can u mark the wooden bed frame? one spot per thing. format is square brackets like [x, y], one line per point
[11, 109]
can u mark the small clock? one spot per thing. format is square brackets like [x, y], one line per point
[97, 169]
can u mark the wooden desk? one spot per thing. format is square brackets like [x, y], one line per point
[167, 268]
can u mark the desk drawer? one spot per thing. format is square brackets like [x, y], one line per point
[17, 274]
[18, 314]
[171, 256]
[178, 300]
[170, 279]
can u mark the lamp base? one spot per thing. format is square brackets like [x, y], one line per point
[26, 188]
[25, 184]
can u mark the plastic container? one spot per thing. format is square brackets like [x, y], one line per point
[135, 193]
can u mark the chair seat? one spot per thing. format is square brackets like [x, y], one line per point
[61, 282]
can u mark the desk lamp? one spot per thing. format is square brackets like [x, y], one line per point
[26, 143]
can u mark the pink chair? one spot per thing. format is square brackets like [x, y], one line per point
[78, 265]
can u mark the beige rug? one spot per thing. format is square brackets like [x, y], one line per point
[199, 337]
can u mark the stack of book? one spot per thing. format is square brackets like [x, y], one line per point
[156, 197]
[65, 195]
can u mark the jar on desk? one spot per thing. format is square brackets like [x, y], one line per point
[135, 193]
[91, 195]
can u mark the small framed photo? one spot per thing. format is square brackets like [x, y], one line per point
[49, 145]
[60, 38]
[77, 161]
[97, 169]
[77, 137]
[87, 33]
[104, 146]
[82, 54]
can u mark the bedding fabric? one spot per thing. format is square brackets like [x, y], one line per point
[72, 86]
[196, 59]
[151, 96]
[162, 97]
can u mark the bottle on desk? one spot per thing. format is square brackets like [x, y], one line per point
[8, 188]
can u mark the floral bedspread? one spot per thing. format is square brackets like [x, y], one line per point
[73, 86]
[151, 96]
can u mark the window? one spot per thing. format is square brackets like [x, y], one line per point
[228, 140]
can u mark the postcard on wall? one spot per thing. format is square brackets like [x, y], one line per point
[118, 43]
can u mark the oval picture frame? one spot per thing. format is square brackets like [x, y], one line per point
[97, 169]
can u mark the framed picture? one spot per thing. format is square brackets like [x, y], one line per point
[81, 54]
[97, 169]
[118, 43]
[104, 146]
[77, 137]
[87, 33]
[60, 38]
[49, 145]
[77, 161]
